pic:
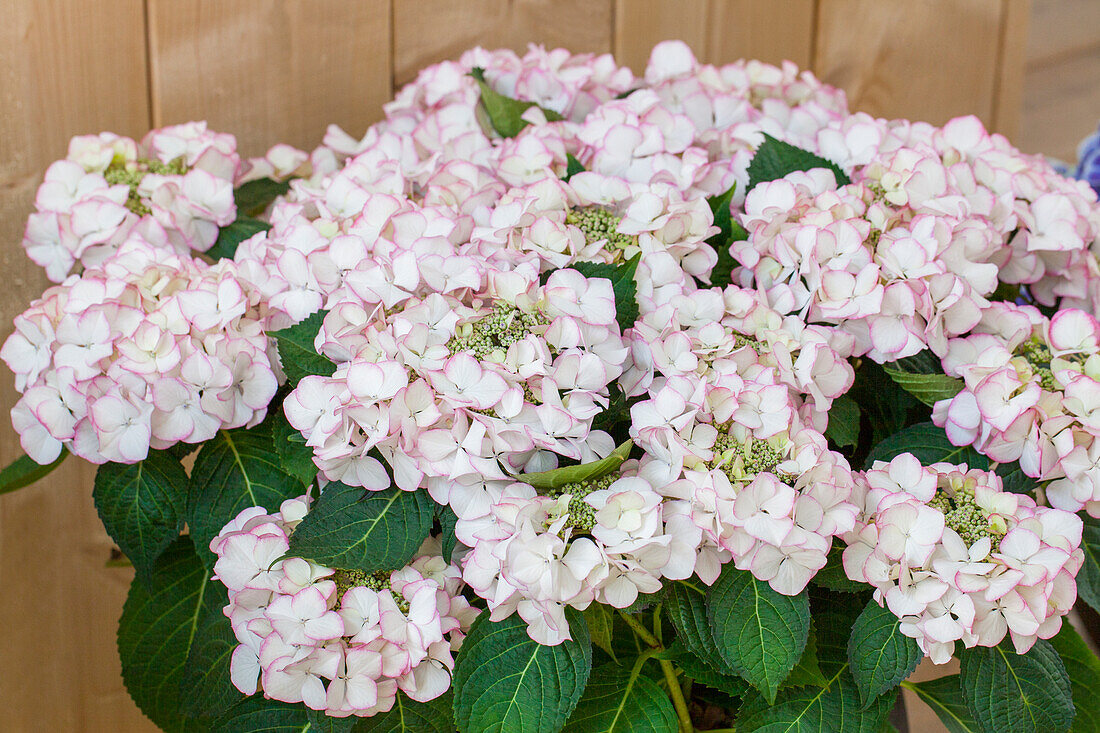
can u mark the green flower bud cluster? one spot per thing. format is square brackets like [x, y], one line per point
[505, 326]
[741, 459]
[1037, 355]
[598, 223]
[119, 172]
[962, 514]
[740, 340]
[377, 581]
[582, 517]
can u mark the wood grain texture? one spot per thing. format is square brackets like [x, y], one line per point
[1061, 28]
[270, 70]
[1008, 95]
[427, 31]
[921, 59]
[67, 67]
[642, 24]
[1061, 105]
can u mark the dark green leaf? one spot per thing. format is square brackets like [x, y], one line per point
[257, 715]
[1025, 693]
[231, 236]
[559, 477]
[928, 388]
[297, 354]
[808, 670]
[730, 231]
[619, 700]
[355, 529]
[758, 631]
[685, 605]
[234, 470]
[157, 629]
[776, 159]
[506, 114]
[843, 428]
[622, 283]
[319, 722]
[505, 683]
[944, 696]
[23, 471]
[141, 506]
[929, 444]
[601, 626]
[834, 707]
[255, 196]
[886, 407]
[1015, 480]
[447, 522]
[1088, 578]
[879, 655]
[833, 577]
[409, 716]
[1083, 669]
[573, 166]
[205, 689]
[296, 457]
[703, 673]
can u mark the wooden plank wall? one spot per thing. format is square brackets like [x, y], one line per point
[280, 71]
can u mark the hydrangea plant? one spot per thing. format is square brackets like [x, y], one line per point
[570, 400]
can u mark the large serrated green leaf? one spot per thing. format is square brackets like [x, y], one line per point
[1083, 668]
[506, 114]
[205, 687]
[572, 167]
[1015, 480]
[808, 669]
[620, 700]
[776, 159]
[833, 577]
[297, 354]
[231, 236]
[703, 673]
[929, 444]
[730, 230]
[928, 388]
[24, 471]
[506, 683]
[409, 716]
[944, 696]
[686, 606]
[622, 284]
[879, 655]
[157, 629]
[257, 715]
[141, 505]
[1088, 577]
[352, 528]
[759, 632]
[319, 722]
[601, 626]
[295, 455]
[255, 196]
[1021, 693]
[234, 470]
[834, 707]
[558, 477]
[843, 427]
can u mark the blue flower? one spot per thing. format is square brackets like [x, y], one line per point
[1088, 161]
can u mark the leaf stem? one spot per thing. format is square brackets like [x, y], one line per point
[674, 691]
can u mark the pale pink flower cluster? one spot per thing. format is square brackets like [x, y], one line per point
[337, 640]
[958, 559]
[179, 178]
[145, 350]
[1031, 394]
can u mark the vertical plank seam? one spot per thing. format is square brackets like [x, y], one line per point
[999, 67]
[815, 21]
[613, 35]
[152, 90]
[393, 50]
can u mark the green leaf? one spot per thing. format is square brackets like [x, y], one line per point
[355, 529]
[447, 522]
[622, 283]
[1083, 668]
[255, 196]
[297, 354]
[928, 388]
[23, 471]
[758, 631]
[295, 456]
[775, 159]
[929, 444]
[234, 470]
[157, 629]
[409, 716]
[808, 670]
[205, 687]
[843, 428]
[685, 605]
[601, 625]
[1014, 478]
[257, 715]
[141, 505]
[730, 230]
[620, 700]
[1088, 578]
[879, 655]
[886, 407]
[944, 696]
[703, 673]
[231, 236]
[558, 477]
[506, 683]
[833, 577]
[506, 114]
[1025, 693]
[573, 166]
[834, 707]
[319, 722]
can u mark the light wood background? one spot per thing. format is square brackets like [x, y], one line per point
[281, 70]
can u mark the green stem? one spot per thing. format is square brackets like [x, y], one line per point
[674, 691]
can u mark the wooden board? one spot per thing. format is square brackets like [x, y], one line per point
[1061, 105]
[270, 70]
[427, 31]
[70, 67]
